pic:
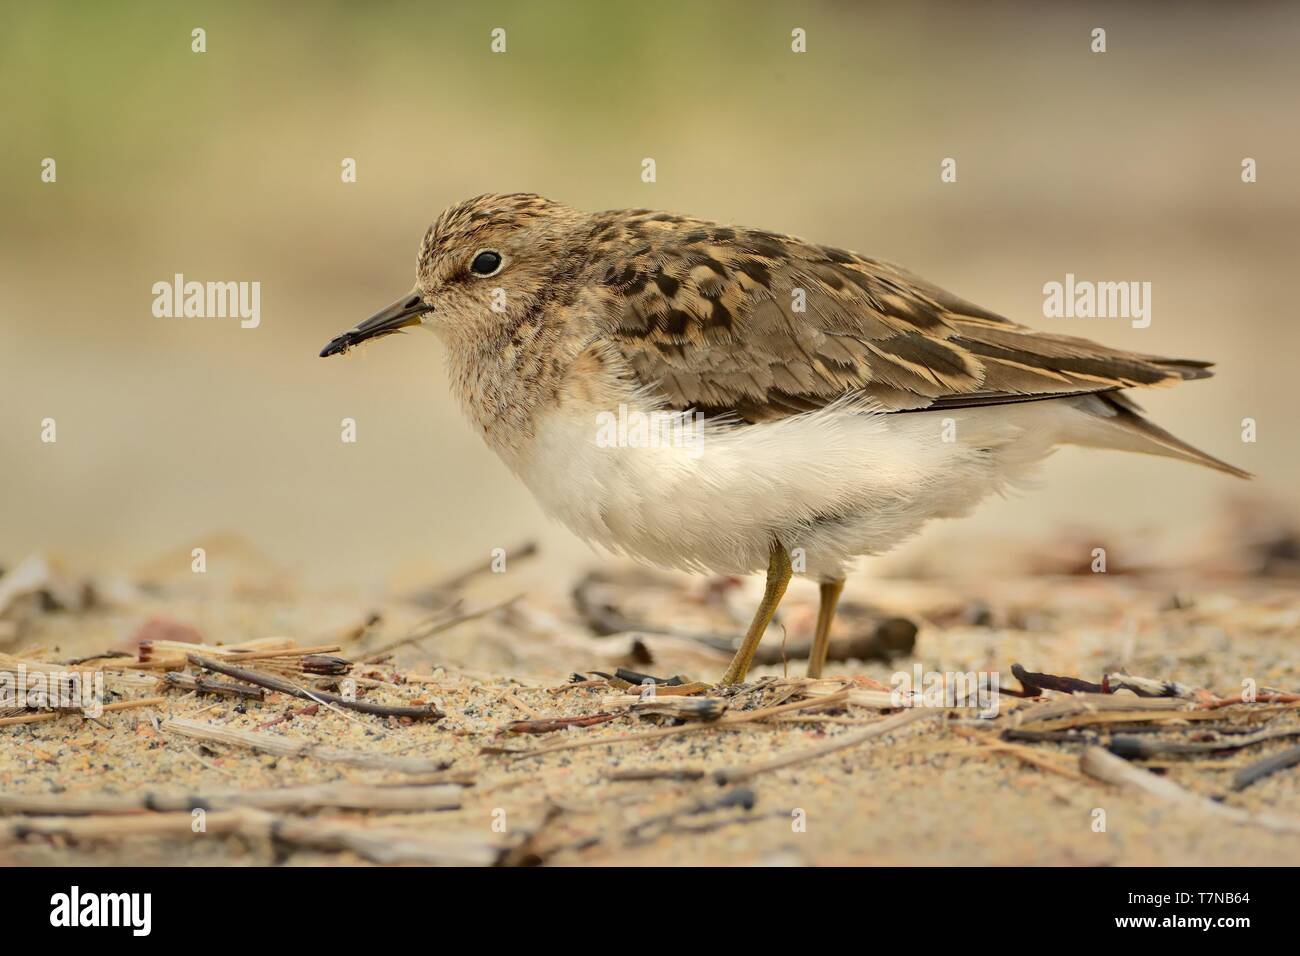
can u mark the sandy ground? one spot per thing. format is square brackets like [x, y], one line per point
[929, 793]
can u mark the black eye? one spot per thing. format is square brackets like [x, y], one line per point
[486, 263]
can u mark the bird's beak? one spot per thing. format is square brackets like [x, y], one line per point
[406, 311]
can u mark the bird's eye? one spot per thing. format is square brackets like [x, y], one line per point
[486, 263]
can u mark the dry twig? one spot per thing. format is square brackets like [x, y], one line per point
[343, 796]
[288, 746]
[430, 628]
[1244, 777]
[1022, 753]
[207, 685]
[729, 720]
[1099, 763]
[271, 682]
[882, 727]
[392, 844]
[107, 708]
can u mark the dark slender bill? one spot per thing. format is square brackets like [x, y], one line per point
[405, 312]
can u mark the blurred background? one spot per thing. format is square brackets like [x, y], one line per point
[225, 166]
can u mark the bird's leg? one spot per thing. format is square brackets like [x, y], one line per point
[830, 597]
[778, 576]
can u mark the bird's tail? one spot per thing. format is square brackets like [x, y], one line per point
[1116, 421]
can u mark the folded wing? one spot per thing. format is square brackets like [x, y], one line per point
[762, 326]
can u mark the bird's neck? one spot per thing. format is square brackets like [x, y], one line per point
[504, 381]
[506, 375]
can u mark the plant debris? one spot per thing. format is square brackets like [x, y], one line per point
[327, 731]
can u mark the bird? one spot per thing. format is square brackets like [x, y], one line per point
[719, 399]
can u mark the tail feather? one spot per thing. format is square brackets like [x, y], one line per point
[1118, 423]
[1186, 369]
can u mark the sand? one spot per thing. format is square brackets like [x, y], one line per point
[938, 791]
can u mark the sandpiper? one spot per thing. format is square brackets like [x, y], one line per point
[844, 401]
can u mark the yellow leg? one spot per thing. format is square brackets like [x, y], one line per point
[778, 576]
[825, 614]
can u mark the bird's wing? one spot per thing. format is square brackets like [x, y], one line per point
[763, 326]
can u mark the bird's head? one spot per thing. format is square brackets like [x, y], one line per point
[482, 261]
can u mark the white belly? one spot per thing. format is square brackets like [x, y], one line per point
[837, 483]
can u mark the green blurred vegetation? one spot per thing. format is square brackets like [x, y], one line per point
[116, 83]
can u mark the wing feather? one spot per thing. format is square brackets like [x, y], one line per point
[762, 326]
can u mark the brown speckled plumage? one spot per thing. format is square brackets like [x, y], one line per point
[703, 316]
[707, 313]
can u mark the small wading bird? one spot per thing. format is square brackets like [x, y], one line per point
[846, 401]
